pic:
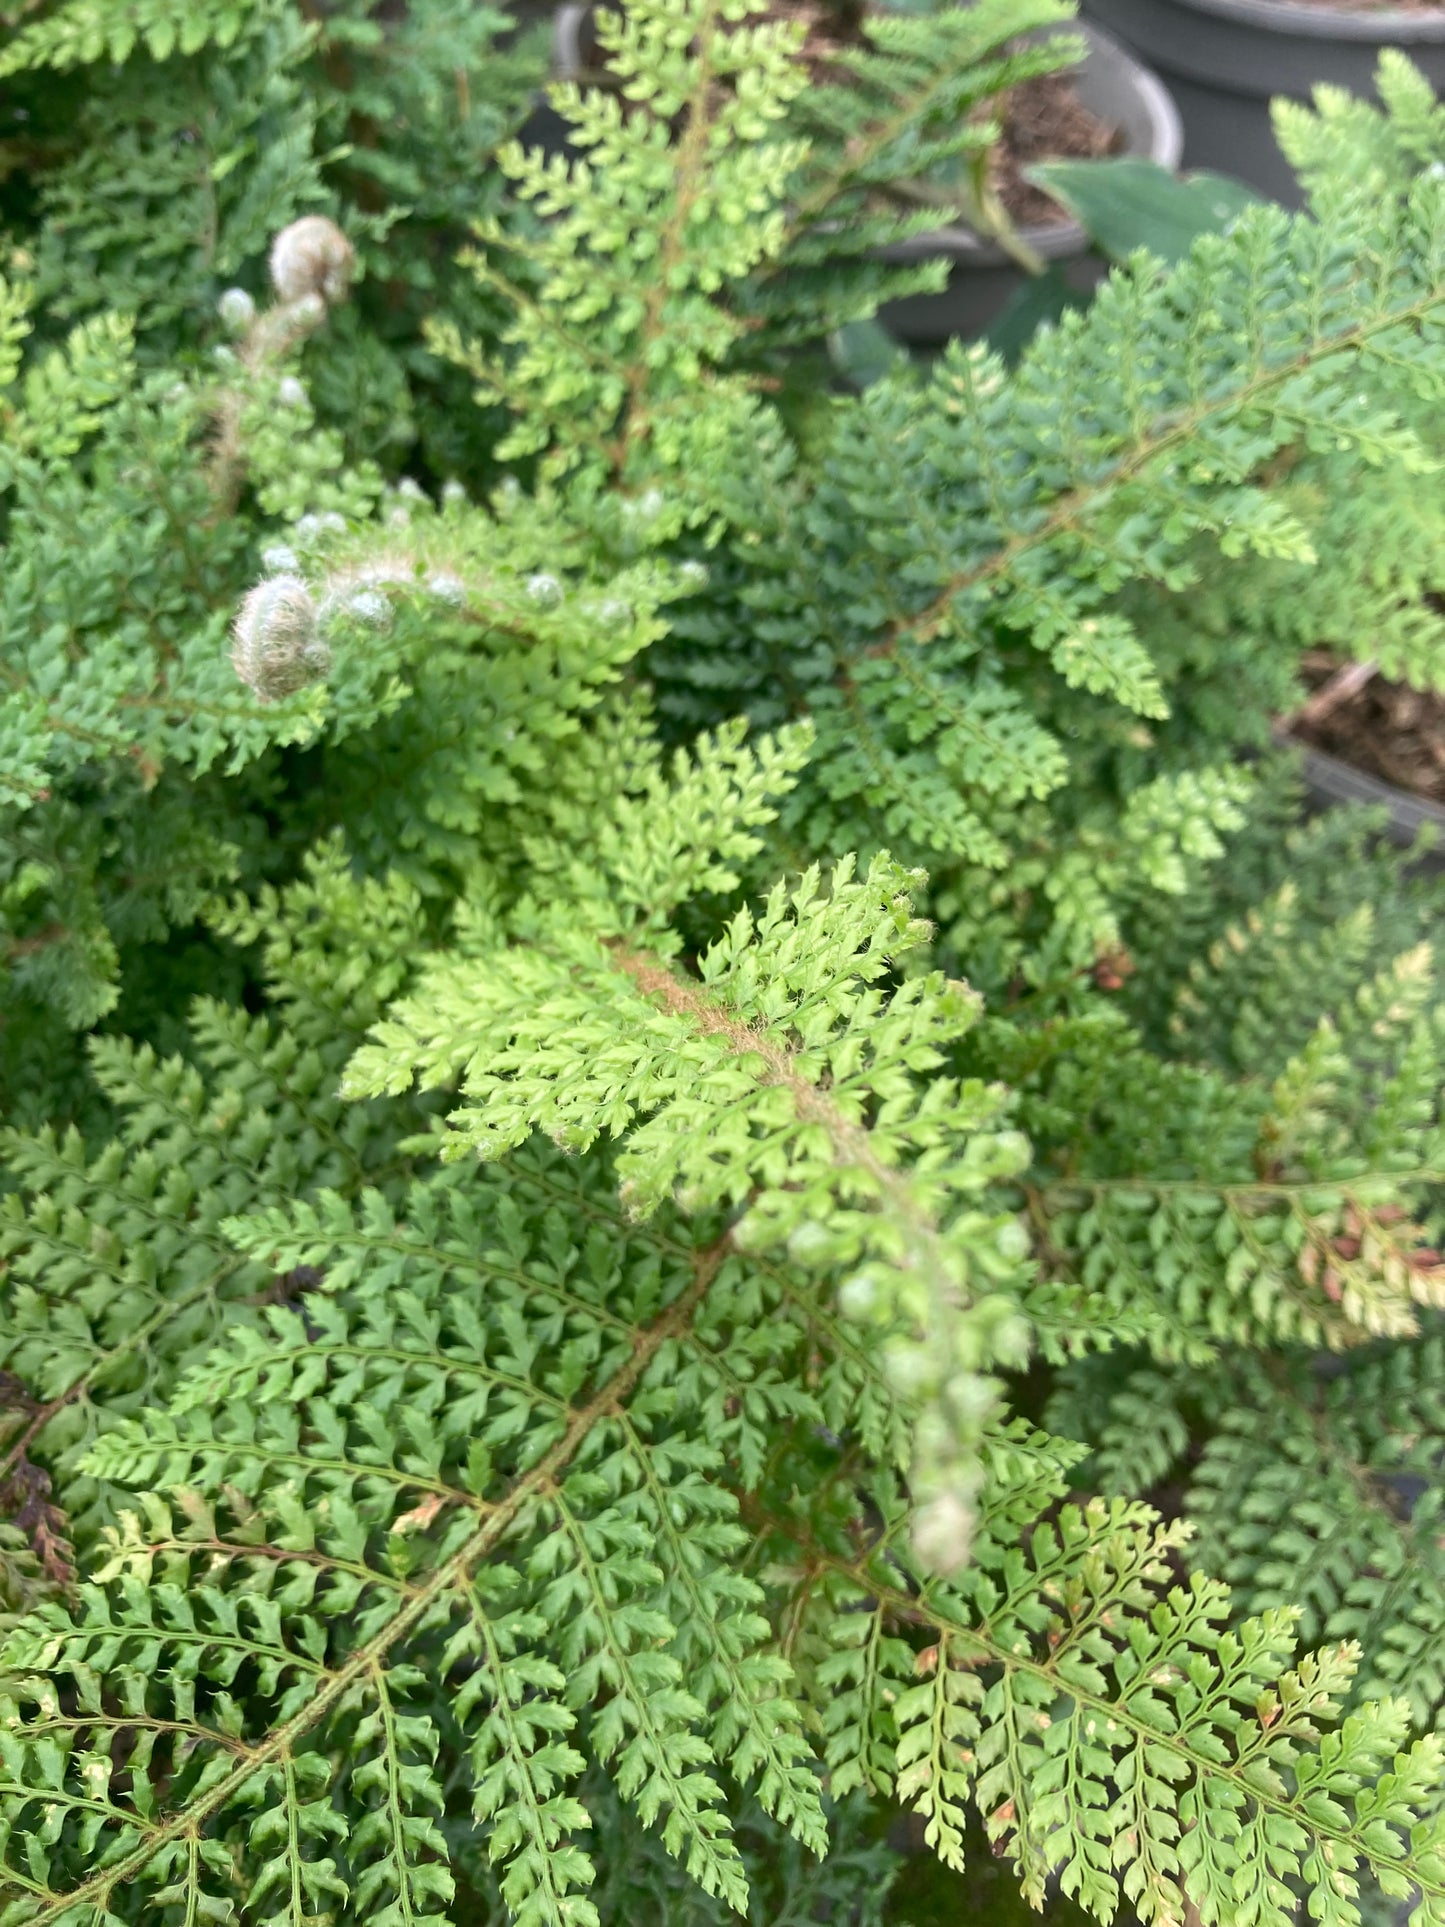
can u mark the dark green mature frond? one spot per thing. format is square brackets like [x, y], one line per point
[945, 645]
[637, 1879]
[164, 204]
[1257, 1172]
[430, 1505]
[1322, 1489]
[117, 1270]
[1302, 901]
[488, 1470]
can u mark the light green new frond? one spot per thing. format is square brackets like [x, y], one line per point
[80, 32]
[1342, 137]
[1178, 821]
[782, 1077]
[336, 947]
[468, 651]
[675, 832]
[600, 364]
[65, 396]
[15, 325]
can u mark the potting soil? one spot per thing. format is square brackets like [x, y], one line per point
[1387, 729]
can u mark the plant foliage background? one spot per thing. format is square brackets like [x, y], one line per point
[689, 1153]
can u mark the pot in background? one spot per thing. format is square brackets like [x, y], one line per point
[1329, 781]
[574, 44]
[545, 128]
[983, 279]
[1226, 60]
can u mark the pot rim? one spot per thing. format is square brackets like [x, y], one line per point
[1058, 240]
[1296, 19]
[1337, 781]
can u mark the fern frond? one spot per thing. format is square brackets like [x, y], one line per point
[117, 1269]
[80, 32]
[1320, 1489]
[521, 1472]
[779, 1078]
[1121, 1739]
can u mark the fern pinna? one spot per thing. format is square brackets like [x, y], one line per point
[792, 1192]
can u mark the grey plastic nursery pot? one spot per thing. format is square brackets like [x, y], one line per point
[1226, 60]
[1328, 781]
[545, 128]
[572, 44]
[983, 279]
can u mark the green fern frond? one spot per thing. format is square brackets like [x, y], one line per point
[512, 1495]
[79, 32]
[1121, 1739]
[780, 1078]
[1321, 1489]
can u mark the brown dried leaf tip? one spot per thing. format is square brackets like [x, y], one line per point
[25, 1487]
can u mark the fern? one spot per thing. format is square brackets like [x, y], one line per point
[970, 1342]
[418, 1466]
[78, 32]
[755, 1082]
[1131, 446]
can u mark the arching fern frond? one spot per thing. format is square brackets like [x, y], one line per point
[116, 1266]
[1119, 1738]
[781, 1078]
[432, 1517]
[412, 1461]
[1320, 1489]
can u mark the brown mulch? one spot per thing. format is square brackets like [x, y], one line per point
[1043, 118]
[1387, 729]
